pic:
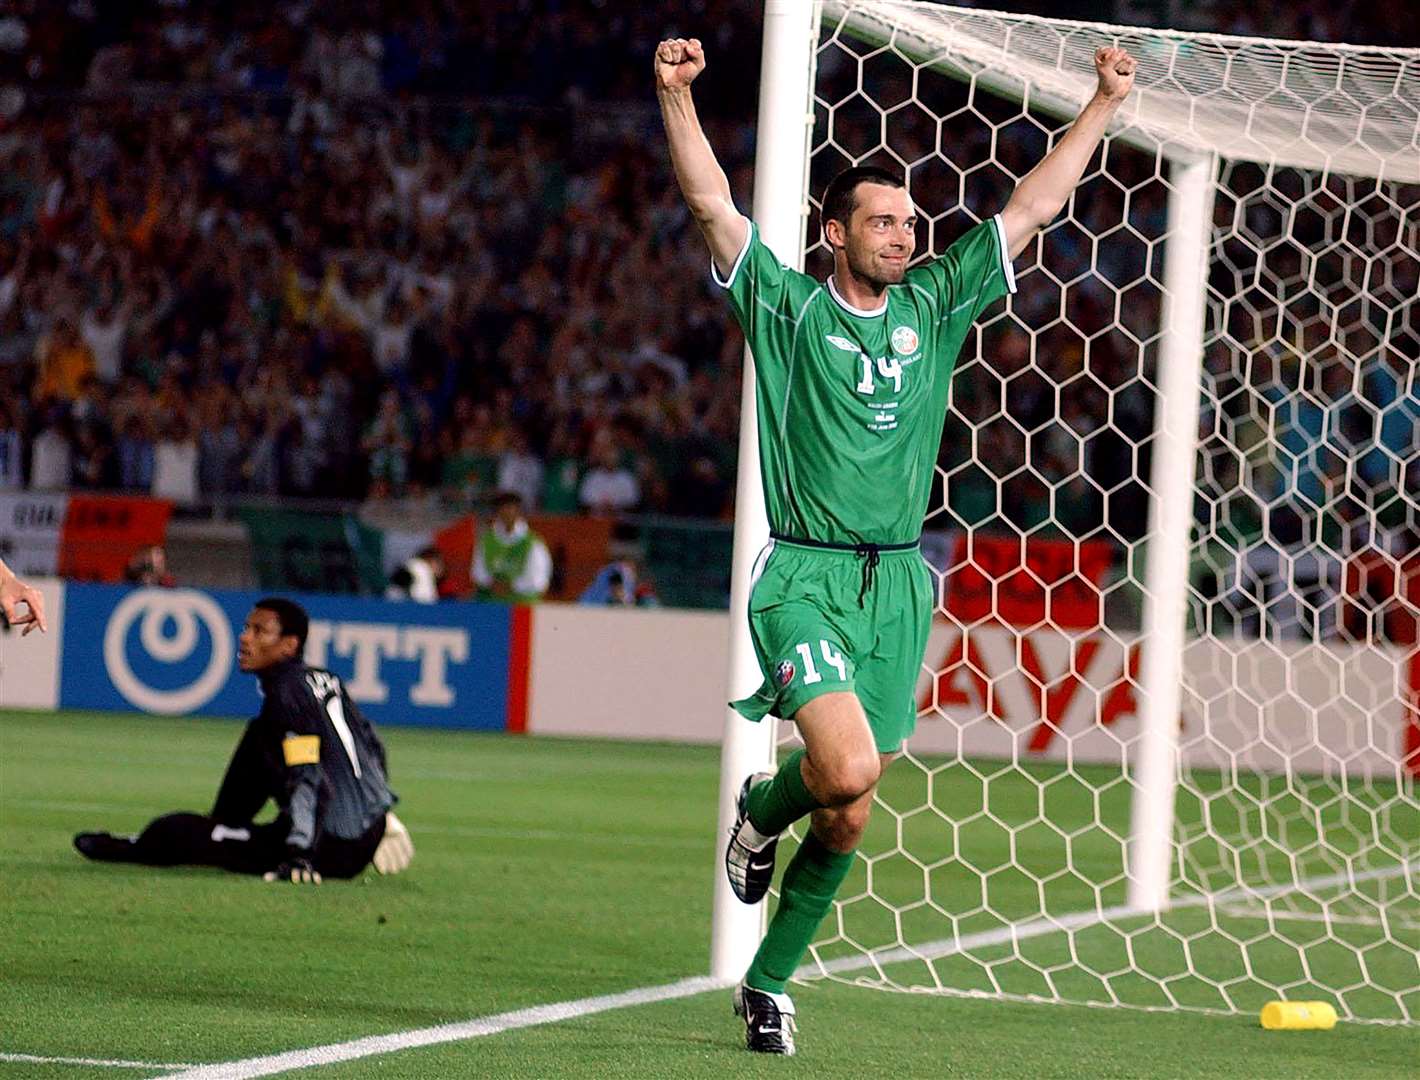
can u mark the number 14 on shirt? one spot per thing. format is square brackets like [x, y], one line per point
[889, 367]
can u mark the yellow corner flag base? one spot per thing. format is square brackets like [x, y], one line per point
[1298, 1016]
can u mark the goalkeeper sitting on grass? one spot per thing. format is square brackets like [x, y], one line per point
[311, 751]
[852, 378]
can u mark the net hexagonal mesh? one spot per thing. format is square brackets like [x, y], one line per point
[997, 861]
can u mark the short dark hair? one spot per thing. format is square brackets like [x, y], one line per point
[505, 498]
[841, 196]
[292, 618]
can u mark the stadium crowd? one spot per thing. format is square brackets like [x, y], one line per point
[273, 283]
[429, 250]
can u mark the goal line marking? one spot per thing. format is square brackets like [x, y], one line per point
[1265, 914]
[107, 1063]
[557, 1012]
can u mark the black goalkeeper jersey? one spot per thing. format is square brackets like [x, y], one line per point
[321, 760]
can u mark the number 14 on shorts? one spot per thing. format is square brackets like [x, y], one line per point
[831, 656]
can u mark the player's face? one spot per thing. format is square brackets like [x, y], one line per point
[881, 234]
[261, 643]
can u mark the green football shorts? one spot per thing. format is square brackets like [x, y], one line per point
[833, 619]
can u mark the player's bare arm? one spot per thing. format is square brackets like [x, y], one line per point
[702, 181]
[1043, 191]
[13, 594]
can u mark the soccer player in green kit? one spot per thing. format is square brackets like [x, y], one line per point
[852, 377]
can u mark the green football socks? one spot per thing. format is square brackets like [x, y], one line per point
[777, 804]
[810, 881]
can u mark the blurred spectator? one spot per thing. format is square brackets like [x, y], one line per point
[418, 577]
[467, 471]
[257, 465]
[619, 584]
[301, 461]
[149, 566]
[520, 471]
[562, 476]
[51, 457]
[1391, 387]
[218, 449]
[388, 443]
[103, 328]
[65, 359]
[510, 561]
[393, 335]
[175, 463]
[91, 404]
[701, 488]
[608, 486]
[12, 451]
[92, 465]
[135, 454]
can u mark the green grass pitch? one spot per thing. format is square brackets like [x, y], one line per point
[547, 870]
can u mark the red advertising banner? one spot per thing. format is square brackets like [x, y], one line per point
[455, 542]
[102, 532]
[1383, 592]
[1023, 648]
[580, 547]
[1020, 585]
[1024, 582]
[1050, 679]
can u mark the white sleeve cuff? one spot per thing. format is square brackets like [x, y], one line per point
[1006, 267]
[729, 278]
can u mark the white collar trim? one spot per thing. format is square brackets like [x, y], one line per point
[862, 313]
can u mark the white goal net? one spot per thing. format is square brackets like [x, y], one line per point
[1003, 849]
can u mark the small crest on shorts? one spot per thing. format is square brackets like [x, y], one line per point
[784, 673]
[904, 340]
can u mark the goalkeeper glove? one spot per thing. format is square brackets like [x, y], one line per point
[296, 869]
[396, 850]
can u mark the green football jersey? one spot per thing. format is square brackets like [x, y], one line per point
[851, 403]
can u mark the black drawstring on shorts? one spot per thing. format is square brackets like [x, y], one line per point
[869, 553]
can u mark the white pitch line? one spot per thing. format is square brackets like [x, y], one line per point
[445, 1033]
[109, 1063]
[1262, 914]
[589, 836]
[572, 1010]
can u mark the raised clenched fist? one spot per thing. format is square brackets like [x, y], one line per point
[678, 61]
[1115, 68]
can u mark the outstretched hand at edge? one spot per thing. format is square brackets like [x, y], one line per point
[13, 593]
[396, 850]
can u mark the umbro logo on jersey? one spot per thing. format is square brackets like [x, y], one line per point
[904, 340]
[841, 343]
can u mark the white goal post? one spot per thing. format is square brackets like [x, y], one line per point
[781, 174]
[1238, 274]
